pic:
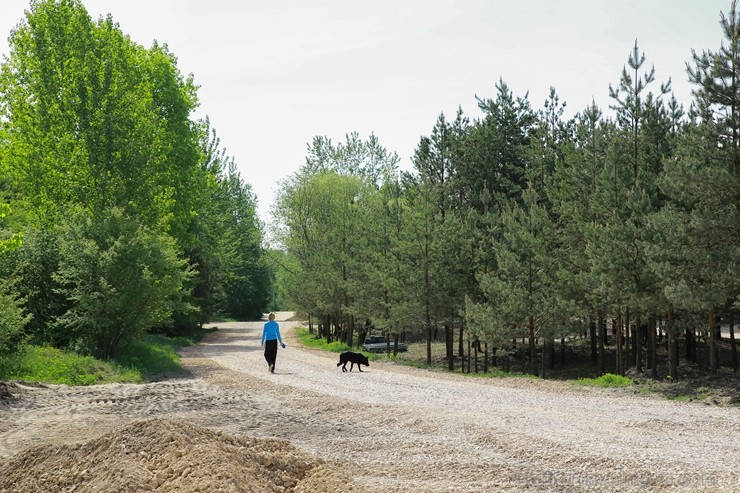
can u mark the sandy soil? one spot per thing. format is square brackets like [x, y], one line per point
[311, 427]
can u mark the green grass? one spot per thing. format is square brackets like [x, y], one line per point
[152, 358]
[310, 340]
[606, 380]
[51, 365]
[156, 355]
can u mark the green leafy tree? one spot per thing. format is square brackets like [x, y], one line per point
[324, 211]
[353, 157]
[320, 217]
[122, 278]
[8, 241]
[94, 119]
[248, 281]
[224, 240]
[13, 317]
[32, 267]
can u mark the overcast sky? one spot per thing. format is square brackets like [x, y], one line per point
[275, 73]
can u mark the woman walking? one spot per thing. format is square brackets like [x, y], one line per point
[270, 339]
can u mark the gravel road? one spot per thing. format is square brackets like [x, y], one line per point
[398, 429]
[403, 429]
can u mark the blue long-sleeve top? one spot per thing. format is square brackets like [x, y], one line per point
[271, 332]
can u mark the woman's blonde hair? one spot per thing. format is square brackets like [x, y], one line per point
[271, 316]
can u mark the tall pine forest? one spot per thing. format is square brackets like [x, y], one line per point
[522, 237]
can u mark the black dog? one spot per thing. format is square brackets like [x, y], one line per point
[353, 359]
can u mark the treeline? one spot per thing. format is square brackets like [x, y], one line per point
[525, 226]
[120, 213]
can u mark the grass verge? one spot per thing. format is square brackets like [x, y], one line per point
[154, 357]
[51, 365]
[310, 340]
[606, 380]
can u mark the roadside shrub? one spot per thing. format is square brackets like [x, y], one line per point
[32, 266]
[122, 279]
[606, 380]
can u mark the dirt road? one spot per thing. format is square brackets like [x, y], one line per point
[397, 429]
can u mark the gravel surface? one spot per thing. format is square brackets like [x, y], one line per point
[398, 429]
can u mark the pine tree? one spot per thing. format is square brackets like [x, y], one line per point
[571, 192]
[521, 292]
[626, 196]
[717, 77]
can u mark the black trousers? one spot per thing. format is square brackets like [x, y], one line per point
[271, 351]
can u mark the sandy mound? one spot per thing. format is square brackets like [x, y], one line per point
[169, 455]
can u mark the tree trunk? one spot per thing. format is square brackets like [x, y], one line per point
[620, 349]
[713, 360]
[485, 358]
[676, 344]
[592, 334]
[638, 343]
[652, 324]
[628, 346]
[551, 350]
[562, 351]
[460, 346]
[429, 346]
[531, 346]
[469, 358]
[350, 331]
[733, 345]
[602, 349]
[649, 345]
[545, 354]
[672, 347]
[364, 329]
[450, 346]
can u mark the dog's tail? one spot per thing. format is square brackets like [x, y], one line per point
[339, 363]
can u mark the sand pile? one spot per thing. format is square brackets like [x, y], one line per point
[166, 455]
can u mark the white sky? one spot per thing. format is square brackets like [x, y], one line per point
[275, 73]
